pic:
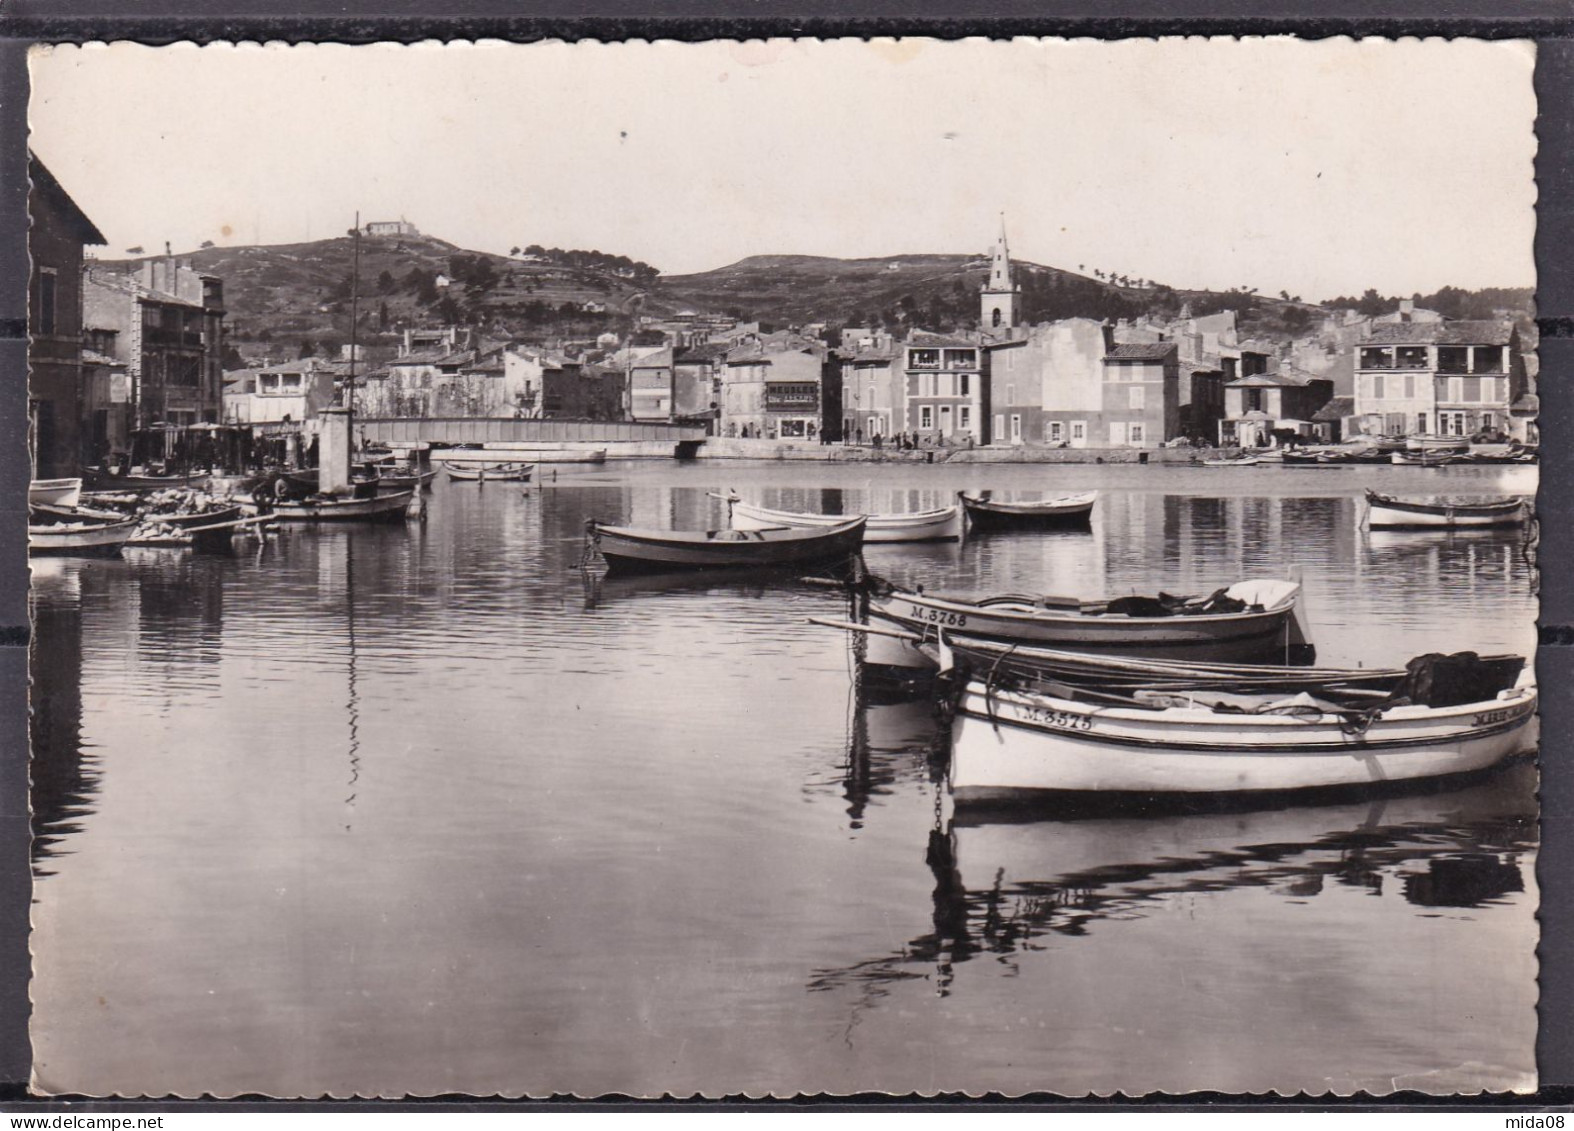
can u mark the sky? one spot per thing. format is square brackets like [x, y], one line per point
[1320, 169]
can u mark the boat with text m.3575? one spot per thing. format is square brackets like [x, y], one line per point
[1443, 716]
[1388, 512]
[1255, 619]
[1072, 511]
[942, 525]
[628, 549]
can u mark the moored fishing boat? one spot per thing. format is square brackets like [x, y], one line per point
[1013, 741]
[55, 492]
[1254, 619]
[629, 549]
[943, 524]
[1427, 458]
[347, 508]
[98, 479]
[1426, 443]
[79, 538]
[399, 479]
[197, 518]
[1389, 512]
[984, 513]
[1237, 461]
[493, 472]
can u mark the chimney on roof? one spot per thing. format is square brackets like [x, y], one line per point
[1109, 336]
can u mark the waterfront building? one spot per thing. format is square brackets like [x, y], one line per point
[772, 388]
[868, 367]
[650, 382]
[697, 373]
[1047, 387]
[1201, 398]
[400, 227]
[165, 324]
[1257, 406]
[1141, 393]
[106, 402]
[946, 395]
[1440, 378]
[288, 393]
[1330, 424]
[55, 240]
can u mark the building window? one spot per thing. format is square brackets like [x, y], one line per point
[1136, 397]
[1011, 394]
[1016, 428]
[964, 417]
[962, 385]
[1079, 430]
[1054, 432]
[1471, 389]
[1421, 423]
[1135, 432]
[926, 417]
[1254, 400]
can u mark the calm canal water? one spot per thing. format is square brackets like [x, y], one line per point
[422, 810]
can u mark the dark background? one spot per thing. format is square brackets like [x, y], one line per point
[156, 21]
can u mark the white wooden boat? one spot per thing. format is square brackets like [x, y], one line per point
[985, 513]
[492, 472]
[55, 492]
[1009, 742]
[79, 538]
[1425, 443]
[1238, 461]
[102, 480]
[1268, 625]
[1388, 512]
[628, 549]
[329, 508]
[509, 452]
[942, 525]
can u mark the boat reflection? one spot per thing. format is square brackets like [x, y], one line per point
[1006, 880]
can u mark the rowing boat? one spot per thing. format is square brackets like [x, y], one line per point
[628, 549]
[197, 518]
[55, 492]
[494, 472]
[1252, 619]
[1388, 512]
[79, 538]
[1012, 742]
[941, 525]
[330, 508]
[985, 513]
[1238, 461]
[99, 479]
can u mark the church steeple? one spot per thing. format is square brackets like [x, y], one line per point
[998, 299]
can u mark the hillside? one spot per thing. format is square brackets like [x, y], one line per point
[281, 296]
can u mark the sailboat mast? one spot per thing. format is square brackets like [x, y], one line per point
[355, 316]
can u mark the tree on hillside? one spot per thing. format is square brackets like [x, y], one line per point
[386, 283]
[308, 348]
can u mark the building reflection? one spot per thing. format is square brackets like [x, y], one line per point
[1007, 877]
[64, 778]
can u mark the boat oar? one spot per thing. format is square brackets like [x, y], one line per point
[872, 630]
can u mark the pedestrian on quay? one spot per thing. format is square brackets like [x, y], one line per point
[860, 434]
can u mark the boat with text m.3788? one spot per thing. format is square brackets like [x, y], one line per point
[628, 549]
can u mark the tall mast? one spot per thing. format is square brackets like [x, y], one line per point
[355, 301]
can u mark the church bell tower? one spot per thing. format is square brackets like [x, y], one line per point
[999, 298]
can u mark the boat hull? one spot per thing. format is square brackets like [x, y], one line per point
[1074, 512]
[1219, 636]
[95, 540]
[55, 492]
[102, 481]
[629, 550]
[1010, 744]
[942, 525]
[494, 473]
[1385, 513]
[379, 508]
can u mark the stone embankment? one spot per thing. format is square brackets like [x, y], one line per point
[724, 448]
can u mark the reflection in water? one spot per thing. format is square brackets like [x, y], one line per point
[1004, 879]
[612, 828]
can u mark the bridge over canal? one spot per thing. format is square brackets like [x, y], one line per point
[453, 431]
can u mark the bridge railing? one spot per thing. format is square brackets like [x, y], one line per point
[484, 430]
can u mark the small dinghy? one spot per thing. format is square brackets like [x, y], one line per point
[348, 508]
[1443, 716]
[55, 492]
[85, 539]
[1238, 461]
[491, 472]
[1385, 512]
[1248, 620]
[627, 549]
[100, 480]
[984, 513]
[942, 525]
